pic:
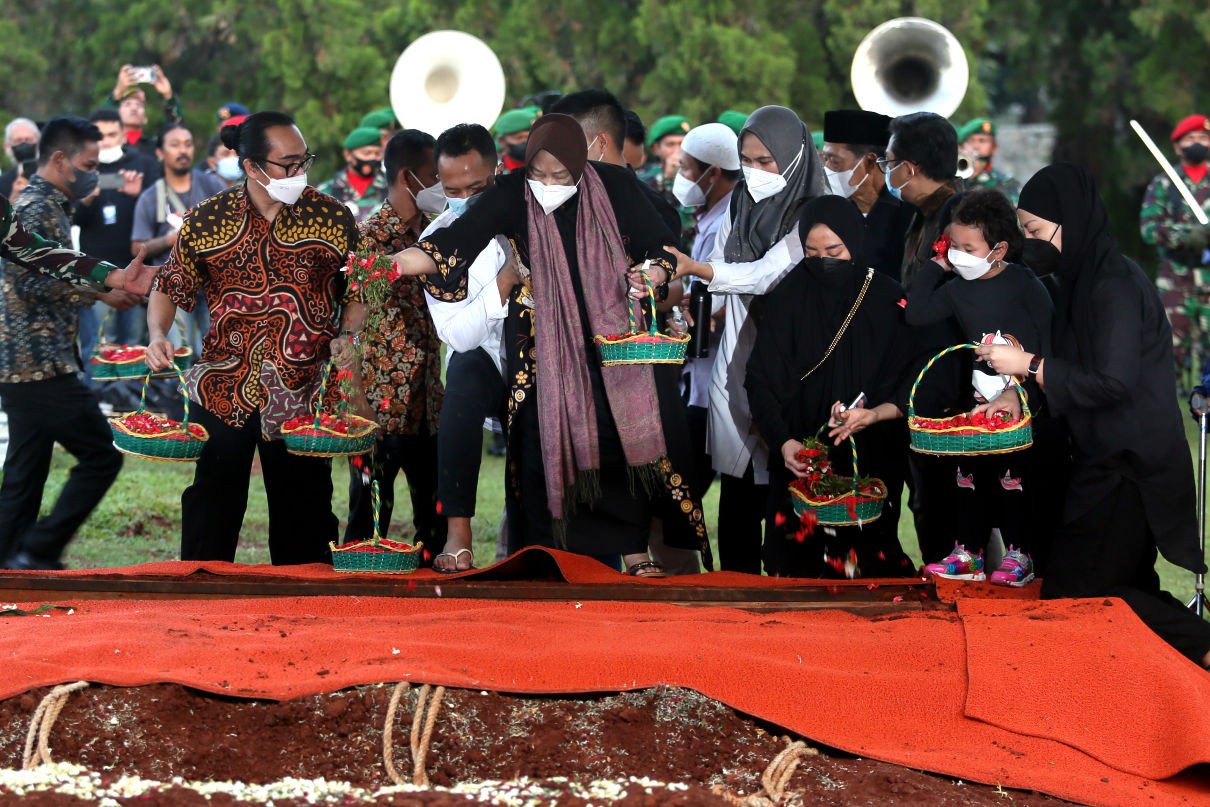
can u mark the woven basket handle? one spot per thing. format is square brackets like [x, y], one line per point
[324, 378]
[951, 349]
[852, 445]
[184, 395]
[96, 346]
[376, 504]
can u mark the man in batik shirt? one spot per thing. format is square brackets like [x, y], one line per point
[42, 393]
[268, 252]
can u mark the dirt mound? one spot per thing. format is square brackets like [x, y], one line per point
[564, 750]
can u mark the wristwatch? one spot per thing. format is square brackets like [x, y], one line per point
[1035, 364]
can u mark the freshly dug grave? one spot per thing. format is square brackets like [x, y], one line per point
[628, 743]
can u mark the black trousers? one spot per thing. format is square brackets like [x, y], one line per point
[741, 512]
[698, 418]
[416, 456]
[299, 490]
[1110, 552]
[41, 413]
[474, 391]
[932, 483]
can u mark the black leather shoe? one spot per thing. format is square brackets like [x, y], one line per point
[24, 561]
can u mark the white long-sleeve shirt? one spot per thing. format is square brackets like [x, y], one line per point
[478, 319]
[731, 434]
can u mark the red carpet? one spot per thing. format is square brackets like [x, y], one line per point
[1076, 699]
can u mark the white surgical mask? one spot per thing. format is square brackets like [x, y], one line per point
[688, 192]
[551, 197]
[763, 184]
[110, 155]
[285, 190]
[431, 200]
[969, 267]
[229, 169]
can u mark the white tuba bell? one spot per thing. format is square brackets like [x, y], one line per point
[444, 78]
[909, 64]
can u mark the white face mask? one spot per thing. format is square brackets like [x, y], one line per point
[838, 181]
[551, 197]
[688, 192]
[285, 190]
[431, 200]
[969, 267]
[763, 184]
[111, 155]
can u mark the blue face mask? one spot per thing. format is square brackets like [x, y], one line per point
[457, 206]
[896, 192]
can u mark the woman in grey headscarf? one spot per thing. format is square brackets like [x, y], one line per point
[758, 246]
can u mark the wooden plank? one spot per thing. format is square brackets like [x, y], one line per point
[912, 594]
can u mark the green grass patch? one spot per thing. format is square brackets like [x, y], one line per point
[140, 519]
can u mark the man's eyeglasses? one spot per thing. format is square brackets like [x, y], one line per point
[884, 163]
[295, 168]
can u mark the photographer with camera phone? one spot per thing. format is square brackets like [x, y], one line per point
[131, 102]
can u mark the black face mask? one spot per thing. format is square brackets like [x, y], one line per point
[24, 152]
[367, 168]
[1194, 155]
[829, 268]
[516, 151]
[1040, 256]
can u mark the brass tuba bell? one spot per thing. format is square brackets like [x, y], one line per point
[909, 64]
[444, 78]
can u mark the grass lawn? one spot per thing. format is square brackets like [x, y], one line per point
[139, 520]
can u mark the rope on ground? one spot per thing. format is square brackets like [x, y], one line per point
[422, 732]
[43, 721]
[774, 779]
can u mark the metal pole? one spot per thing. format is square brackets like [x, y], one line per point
[1198, 603]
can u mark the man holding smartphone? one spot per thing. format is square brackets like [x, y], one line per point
[131, 102]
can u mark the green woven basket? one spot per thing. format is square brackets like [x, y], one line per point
[132, 369]
[848, 509]
[328, 443]
[637, 347]
[643, 348]
[176, 445]
[928, 438]
[378, 555]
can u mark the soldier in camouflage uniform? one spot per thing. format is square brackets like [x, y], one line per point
[977, 142]
[1167, 223]
[360, 185]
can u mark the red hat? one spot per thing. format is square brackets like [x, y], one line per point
[234, 120]
[1193, 123]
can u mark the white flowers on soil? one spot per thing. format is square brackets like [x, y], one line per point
[69, 779]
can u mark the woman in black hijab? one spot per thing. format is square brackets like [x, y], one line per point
[801, 373]
[1111, 377]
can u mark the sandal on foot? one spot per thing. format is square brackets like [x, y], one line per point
[454, 556]
[646, 568]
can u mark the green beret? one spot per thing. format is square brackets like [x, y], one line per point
[733, 120]
[977, 126]
[817, 138]
[362, 136]
[667, 125]
[383, 118]
[516, 120]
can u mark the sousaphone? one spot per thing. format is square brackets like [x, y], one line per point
[909, 64]
[445, 78]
